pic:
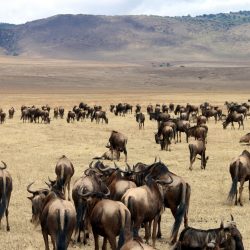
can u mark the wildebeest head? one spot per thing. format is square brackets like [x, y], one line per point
[37, 200]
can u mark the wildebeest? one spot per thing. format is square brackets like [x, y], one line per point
[99, 115]
[240, 172]
[2, 117]
[198, 148]
[5, 193]
[11, 112]
[137, 108]
[56, 215]
[165, 137]
[245, 138]
[64, 171]
[108, 156]
[201, 120]
[71, 116]
[118, 142]
[182, 127]
[136, 245]
[192, 108]
[225, 237]
[210, 113]
[176, 196]
[145, 204]
[108, 218]
[150, 109]
[234, 117]
[140, 118]
[81, 115]
[197, 132]
[61, 112]
[56, 112]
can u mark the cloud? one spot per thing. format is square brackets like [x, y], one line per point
[20, 11]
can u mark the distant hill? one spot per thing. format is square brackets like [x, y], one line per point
[220, 36]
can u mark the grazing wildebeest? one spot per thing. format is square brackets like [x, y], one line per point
[140, 118]
[57, 216]
[5, 193]
[108, 218]
[71, 116]
[225, 237]
[198, 148]
[2, 117]
[182, 126]
[136, 244]
[197, 132]
[240, 172]
[11, 112]
[99, 115]
[61, 112]
[145, 204]
[64, 171]
[239, 109]
[117, 142]
[176, 197]
[165, 137]
[234, 117]
[245, 138]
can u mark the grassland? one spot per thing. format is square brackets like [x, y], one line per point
[31, 150]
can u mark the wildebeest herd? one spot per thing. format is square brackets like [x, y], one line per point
[115, 202]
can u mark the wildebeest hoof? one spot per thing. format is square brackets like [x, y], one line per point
[8, 228]
[158, 235]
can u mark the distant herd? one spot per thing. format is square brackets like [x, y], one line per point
[113, 202]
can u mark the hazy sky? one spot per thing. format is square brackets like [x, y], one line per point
[20, 11]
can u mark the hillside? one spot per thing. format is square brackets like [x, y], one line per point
[221, 36]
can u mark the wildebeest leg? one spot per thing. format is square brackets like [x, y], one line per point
[159, 228]
[7, 218]
[126, 154]
[240, 191]
[173, 211]
[96, 237]
[112, 241]
[147, 231]
[154, 230]
[104, 245]
[192, 160]
[69, 198]
[53, 242]
[46, 240]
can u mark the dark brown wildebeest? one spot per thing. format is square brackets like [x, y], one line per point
[112, 106]
[71, 116]
[64, 171]
[185, 116]
[140, 118]
[179, 109]
[5, 193]
[117, 142]
[108, 218]
[234, 117]
[176, 196]
[90, 182]
[150, 109]
[225, 237]
[61, 112]
[199, 148]
[57, 216]
[239, 109]
[182, 127]
[210, 113]
[11, 112]
[81, 115]
[46, 107]
[245, 138]
[98, 115]
[164, 108]
[192, 108]
[56, 112]
[145, 204]
[2, 117]
[136, 245]
[171, 107]
[198, 132]
[165, 137]
[240, 172]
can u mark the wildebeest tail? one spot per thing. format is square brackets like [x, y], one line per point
[81, 210]
[191, 151]
[125, 233]
[61, 236]
[3, 202]
[181, 210]
[233, 190]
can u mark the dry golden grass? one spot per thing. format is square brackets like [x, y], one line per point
[31, 152]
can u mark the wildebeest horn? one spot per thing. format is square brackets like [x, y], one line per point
[129, 168]
[103, 169]
[49, 179]
[4, 166]
[28, 188]
[84, 194]
[90, 165]
[232, 218]
[165, 182]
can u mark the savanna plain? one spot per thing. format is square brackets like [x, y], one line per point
[32, 150]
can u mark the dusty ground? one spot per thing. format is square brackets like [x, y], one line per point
[31, 150]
